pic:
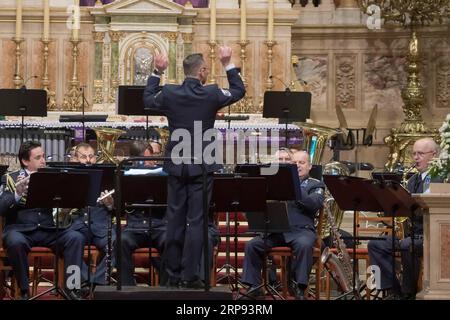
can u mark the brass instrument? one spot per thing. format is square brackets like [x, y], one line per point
[164, 135]
[340, 266]
[315, 139]
[334, 168]
[106, 143]
[402, 224]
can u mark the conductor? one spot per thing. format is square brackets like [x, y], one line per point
[188, 106]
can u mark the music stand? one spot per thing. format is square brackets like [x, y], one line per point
[287, 106]
[145, 191]
[57, 190]
[352, 194]
[23, 102]
[230, 194]
[397, 201]
[131, 103]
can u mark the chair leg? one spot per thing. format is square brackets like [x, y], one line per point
[327, 286]
[284, 280]
[35, 276]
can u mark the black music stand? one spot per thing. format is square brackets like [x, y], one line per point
[352, 194]
[23, 102]
[231, 194]
[287, 106]
[57, 190]
[397, 201]
[131, 103]
[146, 191]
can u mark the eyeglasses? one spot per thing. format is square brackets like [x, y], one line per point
[421, 153]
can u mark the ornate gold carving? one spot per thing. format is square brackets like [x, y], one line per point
[98, 91]
[18, 80]
[171, 36]
[73, 99]
[443, 83]
[269, 81]
[116, 36]
[51, 95]
[98, 36]
[345, 81]
[245, 105]
[212, 57]
[187, 37]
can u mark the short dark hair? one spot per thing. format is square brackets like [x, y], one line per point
[25, 150]
[138, 147]
[192, 63]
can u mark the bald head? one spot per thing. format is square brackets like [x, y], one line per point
[424, 150]
[301, 159]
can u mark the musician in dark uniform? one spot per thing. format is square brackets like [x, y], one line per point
[191, 110]
[97, 233]
[380, 251]
[300, 238]
[137, 232]
[27, 228]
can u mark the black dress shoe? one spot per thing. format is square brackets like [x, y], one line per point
[299, 293]
[252, 293]
[195, 284]
[173, 283]
[73, 294]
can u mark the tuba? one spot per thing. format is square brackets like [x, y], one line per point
[339, 266]
[315, 139]
[106, 143]
[334, 168]
[164, 135]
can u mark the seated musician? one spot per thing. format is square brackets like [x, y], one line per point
[100, 217]
[137, 233]
[300, 238]
[27, 228]
[380, 251]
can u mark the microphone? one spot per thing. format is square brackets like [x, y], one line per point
[24, 85]
[282, 82]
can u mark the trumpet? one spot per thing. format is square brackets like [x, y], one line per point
[405, 175]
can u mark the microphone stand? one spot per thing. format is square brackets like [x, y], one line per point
[82, 112]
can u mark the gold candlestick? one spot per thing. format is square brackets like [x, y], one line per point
[51, 101]
[245, 105]
[18, 80]
[73, 99]
[269, 82]
[212, 56]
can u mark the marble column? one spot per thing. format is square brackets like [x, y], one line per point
[172, 76]
[115, 81]
[99, 38]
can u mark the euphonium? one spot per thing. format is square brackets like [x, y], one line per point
[339, 267]
[106, 143]
[164, 135]
[315, 139]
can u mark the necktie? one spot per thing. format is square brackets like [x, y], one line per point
[418, 188]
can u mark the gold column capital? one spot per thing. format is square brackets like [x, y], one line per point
[171, 36]
[187, 37]
[116, 35]
[98, 36]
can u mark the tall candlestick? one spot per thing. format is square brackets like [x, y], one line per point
[76, 20]
[243, 20]
[46, 33]
[270, 22]
[212, 26]
[18, 19]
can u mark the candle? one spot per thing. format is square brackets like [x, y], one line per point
[243, 20]
[270, 22]
[18, 19]
[76, 20]
[46, 20]
[212, 26]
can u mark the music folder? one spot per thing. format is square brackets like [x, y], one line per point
[276, 215]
